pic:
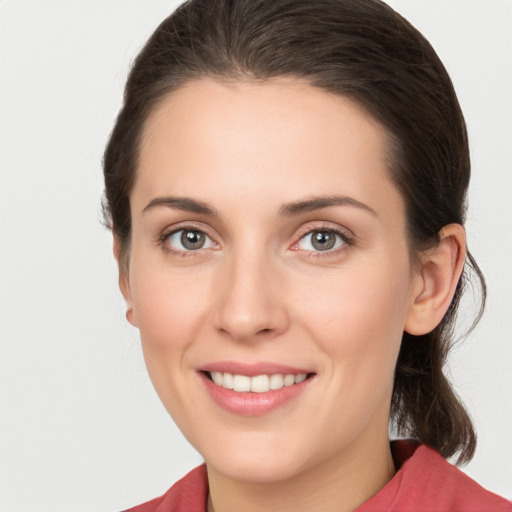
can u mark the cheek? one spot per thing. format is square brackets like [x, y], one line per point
[357, 322]
[367, 299]
[170, 306]
[358, 319]
[171, 309]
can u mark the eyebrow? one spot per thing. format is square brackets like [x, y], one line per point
[185, 204]
[319, 202]
[188, 204]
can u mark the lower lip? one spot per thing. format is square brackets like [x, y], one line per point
[253, 404]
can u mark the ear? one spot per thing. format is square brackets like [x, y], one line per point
[124, 281]
[436, 280]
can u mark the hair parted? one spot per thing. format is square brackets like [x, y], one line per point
[361, 49]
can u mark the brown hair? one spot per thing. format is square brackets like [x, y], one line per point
[356, 48]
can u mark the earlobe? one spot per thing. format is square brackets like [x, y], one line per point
[124, 282]
[436, 281]
[131, 317]
[124, 286]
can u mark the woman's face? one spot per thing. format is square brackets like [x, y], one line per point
[268, 240]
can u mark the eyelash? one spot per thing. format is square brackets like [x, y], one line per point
[347, 240]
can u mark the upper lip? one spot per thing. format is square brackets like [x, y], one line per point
[253, 369]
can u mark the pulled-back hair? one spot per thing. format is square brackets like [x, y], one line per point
[360, 49]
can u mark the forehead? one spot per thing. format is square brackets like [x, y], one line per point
[278, 139]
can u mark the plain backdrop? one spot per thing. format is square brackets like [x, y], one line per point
[81, 428]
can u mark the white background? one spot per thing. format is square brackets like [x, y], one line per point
[81, 428]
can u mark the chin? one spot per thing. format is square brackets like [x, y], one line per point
[260, 460]
[265, 470]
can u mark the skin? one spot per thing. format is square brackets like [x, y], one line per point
[259, 291]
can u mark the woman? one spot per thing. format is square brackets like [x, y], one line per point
[286, 185]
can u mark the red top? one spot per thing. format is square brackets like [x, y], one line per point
[424, 482]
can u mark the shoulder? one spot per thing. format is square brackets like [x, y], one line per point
[190, 494]
[426, 481]
[428, 476]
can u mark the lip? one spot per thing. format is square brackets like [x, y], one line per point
[253, 370]
[249, 403]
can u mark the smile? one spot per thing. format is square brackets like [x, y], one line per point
[256, 389]
[256, 384]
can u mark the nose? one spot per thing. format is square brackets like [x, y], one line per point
[250, 304]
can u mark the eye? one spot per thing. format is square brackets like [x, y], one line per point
[186, 240]
[322, 241]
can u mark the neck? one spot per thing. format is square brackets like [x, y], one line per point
[339, 484]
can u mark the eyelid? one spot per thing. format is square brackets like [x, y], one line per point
[167, 232]
[311, 227]
[208, 241]
[345, 234]
[187, 225]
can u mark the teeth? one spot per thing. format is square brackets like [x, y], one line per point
[300, 378]
[241, 383]
[276, 381]
[227, 381]
[258, 384]
[289, 380]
